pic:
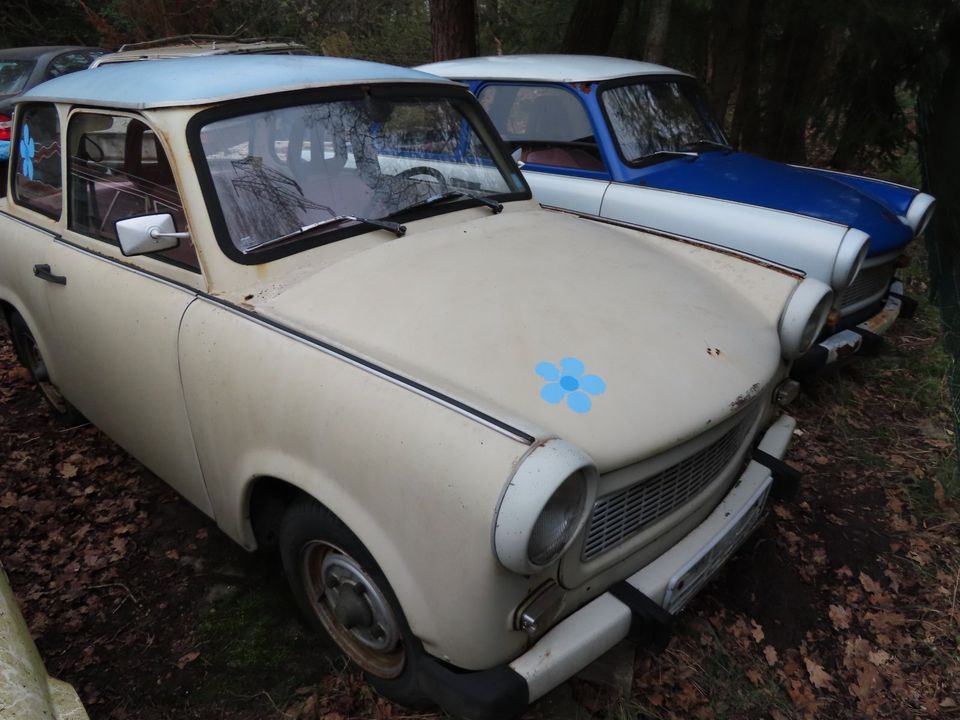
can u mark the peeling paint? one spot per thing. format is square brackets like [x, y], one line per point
[744, 398]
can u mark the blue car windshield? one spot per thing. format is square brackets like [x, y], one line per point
[659, 116]
[14, 75]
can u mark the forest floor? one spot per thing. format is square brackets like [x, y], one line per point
[844, 603]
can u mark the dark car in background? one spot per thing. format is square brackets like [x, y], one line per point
[22, 68]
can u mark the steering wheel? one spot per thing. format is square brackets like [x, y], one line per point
[425, 170]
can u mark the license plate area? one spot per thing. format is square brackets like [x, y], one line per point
[698, 570]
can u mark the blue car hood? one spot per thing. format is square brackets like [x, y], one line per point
[754, 181]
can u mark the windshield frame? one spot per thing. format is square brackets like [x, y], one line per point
[697, 99]
[459, 96]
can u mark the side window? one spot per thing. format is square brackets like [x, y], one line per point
[548, 124]
[69, 62]
[118, 169]
[38, 181]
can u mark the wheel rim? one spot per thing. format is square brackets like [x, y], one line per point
[38, 369]
[353, 609]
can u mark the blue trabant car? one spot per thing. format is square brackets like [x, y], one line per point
[635, 143]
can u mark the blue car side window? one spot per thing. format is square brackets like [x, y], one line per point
[549, 125]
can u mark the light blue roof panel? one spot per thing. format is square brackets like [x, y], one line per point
[201, 80]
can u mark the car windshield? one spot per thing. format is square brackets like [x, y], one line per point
[307, 170]
[659, 117]
[14, 75]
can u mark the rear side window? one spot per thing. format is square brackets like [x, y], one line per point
[118, 169]
[38, 180]
[14, 75]
[69, 62]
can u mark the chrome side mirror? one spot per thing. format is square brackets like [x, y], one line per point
[148, 234]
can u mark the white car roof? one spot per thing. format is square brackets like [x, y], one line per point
[203, 80]
[549, 68]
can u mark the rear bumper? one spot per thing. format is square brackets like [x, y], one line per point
[865, 335]
[633, 607]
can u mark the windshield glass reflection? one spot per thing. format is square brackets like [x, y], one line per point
[659, 117]
[282, 173]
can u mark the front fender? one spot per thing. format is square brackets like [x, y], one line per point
[797, 241]
[415, 481]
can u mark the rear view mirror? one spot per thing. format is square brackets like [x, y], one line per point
[147, 234]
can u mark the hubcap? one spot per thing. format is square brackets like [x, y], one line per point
[352, 609]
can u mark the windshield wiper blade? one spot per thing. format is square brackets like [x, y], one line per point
[666, 155]
[396, 228]
[704, 142]
[494, 205]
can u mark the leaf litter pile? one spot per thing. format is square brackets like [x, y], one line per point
[843, 604]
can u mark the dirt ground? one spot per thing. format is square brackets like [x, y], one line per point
[844, 603]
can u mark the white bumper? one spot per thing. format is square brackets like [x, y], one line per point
[849, 342]
[599, 625]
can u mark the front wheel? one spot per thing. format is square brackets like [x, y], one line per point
[28, 353]
[343, 593]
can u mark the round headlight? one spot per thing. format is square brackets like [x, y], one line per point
[558, 521]
[544, 506]
[850, 256]
[919, 213]
[804, 316]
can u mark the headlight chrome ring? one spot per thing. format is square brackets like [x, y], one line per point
[544, 506]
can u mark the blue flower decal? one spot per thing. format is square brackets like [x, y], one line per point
[568, 381]
[27, 149]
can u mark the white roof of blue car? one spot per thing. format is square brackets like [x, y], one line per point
[202, 80]
[546, 68]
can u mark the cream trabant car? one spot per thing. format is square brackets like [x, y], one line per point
[315, 297]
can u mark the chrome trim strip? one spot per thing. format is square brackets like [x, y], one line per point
[374, 369]
[348, 357]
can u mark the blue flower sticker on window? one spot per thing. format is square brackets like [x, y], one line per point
[568, 381]
[27, 149]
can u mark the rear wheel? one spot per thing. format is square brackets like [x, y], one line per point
[28, 352]
[343, 593]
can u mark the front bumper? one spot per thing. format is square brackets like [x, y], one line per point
[863, 336]
[633, 607]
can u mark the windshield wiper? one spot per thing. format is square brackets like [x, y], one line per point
[665, 155]
[704, 142]
[396, 228]
[494, 205]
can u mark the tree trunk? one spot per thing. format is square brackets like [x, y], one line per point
[656, 44]
[745, 128]
[591, 26]
[453, 28]
[728, 49]
[789, 103]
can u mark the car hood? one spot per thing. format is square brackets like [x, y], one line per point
[491, 310]
[755, 181]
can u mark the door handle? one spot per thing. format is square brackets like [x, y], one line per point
[43, 272]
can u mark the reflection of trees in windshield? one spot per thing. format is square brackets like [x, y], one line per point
[278, 171]
[653, 117]
[257, 187]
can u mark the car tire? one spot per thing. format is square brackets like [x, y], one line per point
[28, 353]
[343, 594]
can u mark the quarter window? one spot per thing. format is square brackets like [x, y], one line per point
[117, 170]
[38, 180]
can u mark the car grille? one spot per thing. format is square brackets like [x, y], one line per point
[870, 283]
[620, 515]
